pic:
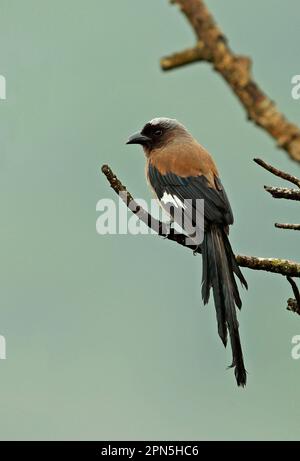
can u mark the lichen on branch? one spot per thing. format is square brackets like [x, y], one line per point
[275, 265]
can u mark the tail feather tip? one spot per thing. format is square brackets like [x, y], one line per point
[241, 377]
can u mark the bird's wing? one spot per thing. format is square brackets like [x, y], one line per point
[173, 188]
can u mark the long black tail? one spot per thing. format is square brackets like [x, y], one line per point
[219, 266]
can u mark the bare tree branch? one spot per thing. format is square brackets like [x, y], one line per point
[283, 192]
[295, 289]
[277, 172]
[294, 304]
[188, 56]
[287, 226]
[275, 265]
[236, 71]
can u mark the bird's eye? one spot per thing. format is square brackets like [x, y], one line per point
[158, 132]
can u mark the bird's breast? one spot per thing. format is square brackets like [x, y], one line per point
[184, 160]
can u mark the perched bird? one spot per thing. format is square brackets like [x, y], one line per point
[179, 169]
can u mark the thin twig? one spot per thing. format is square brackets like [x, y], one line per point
[275, 265]
[287, 226]
[276, 172]
[188, 56]
[283, 192]
[236, 70]
[295, 289]
[296, 294]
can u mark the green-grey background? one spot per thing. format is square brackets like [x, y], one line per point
[106, 335]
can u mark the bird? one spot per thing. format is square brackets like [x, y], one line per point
[179, 169]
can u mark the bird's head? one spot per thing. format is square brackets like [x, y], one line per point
[157, 133]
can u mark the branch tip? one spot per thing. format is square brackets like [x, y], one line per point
[277, 172]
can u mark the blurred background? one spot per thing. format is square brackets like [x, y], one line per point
[107, 337]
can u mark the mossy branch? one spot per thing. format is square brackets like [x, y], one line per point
[276, 265]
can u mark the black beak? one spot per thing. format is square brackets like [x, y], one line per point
[138, 138]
